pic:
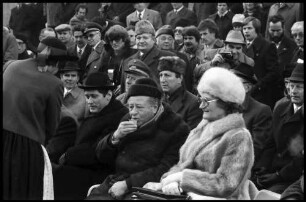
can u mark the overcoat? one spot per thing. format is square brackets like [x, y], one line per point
[94, 60]
[216, 159]
[224, 23]
[285, 51]
[184, 13]
[149, 14]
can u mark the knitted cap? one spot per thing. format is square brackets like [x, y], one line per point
[144, 26]
[222, 83]
[164, 30]
[172, 63]
[144, 87]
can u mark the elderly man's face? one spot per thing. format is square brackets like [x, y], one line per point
[93, 38]
[142, 109]
[96, 101]
[131, 79]
[207, 37]
[276, 31]
[64, 36]
[165, 42]
[145, 42]
[178, 35]
[249, 31]
[70, 79]
[169, 82]
[236, 49]
[298, 36]
[296, 93]
[80, 39]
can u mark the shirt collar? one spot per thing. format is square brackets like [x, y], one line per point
[78, 49]
[223, 14]
[296, 108]
[142, 12]
[96, 45]
[178, 10]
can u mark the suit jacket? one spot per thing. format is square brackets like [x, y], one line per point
[82, 60]
[183, 13]
[258, 120]
[151, 59]
[285, 52]
[268, 89]
[224, 23]
[94, 60]
[186, 104]
[276, 156]
[75, 102]
[151, 15]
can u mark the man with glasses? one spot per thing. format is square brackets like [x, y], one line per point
[178, 27]
[93, 32]
[297, 32]
[228, 57]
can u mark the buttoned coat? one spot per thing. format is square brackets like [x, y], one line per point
[258, 120]
[268, 89]
[186, 104]
[185, 13]
[276, 156]
[224, 23]
[75, 101]
[149, 14]
[216, 159]
[94, 60]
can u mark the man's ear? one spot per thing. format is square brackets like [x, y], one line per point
[109, 95]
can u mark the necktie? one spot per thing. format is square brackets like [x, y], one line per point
[80, 53]
[139, 16]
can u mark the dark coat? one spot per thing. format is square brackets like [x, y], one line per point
[185, 13]
[151, 59]
[64, 136]
[121, 10]
[268, 89]
[285, 52]
[258, 120]
[150, 15]
[144, 155]
[204, 10]
[297, 55]
[224, 23]
[162, 8]
[94, 60]
[276, 156]
[186, 104]
[72, 51]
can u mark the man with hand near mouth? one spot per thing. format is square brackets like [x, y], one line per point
[140, 152]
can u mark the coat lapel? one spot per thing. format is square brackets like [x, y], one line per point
[95, 54]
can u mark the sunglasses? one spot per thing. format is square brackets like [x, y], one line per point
[178, 31]
[300, 34]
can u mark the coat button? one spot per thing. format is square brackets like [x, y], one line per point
[95, 66]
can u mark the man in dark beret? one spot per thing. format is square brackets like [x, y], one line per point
[32, 97]
[171, 74]
[145, 144]
[78, 167]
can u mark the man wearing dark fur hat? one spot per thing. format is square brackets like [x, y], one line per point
[278, 168]
[171, 75]
[78, 167]
[32, 99]
[145, 144]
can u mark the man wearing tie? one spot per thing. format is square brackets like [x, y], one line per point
[81, 49]
[268, 89]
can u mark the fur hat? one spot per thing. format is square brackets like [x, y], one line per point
[144, 87]
[238, 18]
[115, 32]
[222, 83]
[96, 81]
[192, 31]
[181, 22]
[234, 37]
[297, 73]
[165, 30]
[172, 63]
[144, 26]
[138, 67]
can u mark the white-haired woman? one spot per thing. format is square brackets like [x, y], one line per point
[218, 155]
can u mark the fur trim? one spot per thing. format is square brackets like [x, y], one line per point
[222, 83]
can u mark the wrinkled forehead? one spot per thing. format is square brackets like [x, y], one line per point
[141, 100]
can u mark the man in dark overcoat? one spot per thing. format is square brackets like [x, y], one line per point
[268, 89]
[145, 145]
[79, 167]
[171, 75]
[180, 11]
[278, 167]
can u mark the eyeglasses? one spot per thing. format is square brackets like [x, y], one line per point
[206, 102]
[178, 31]
[300, 35]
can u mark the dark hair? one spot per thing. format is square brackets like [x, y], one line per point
[117, 32]
[130, 27]
[78, 27]
[277, 18]
[192, 31]
[210, 25]
[81, 6]
[103, 91]
[255, 22]
[229, 107]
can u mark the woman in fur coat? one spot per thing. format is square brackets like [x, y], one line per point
[218, 155]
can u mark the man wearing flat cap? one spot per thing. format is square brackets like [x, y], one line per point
[257, 116]
[171, 75]
[147, 50]
[279, 166]
[137, 69]
[78, 167]
[32, 100]
[145, 144]
[74, 98]
[94, 61]
[64, 33]
[229, 57]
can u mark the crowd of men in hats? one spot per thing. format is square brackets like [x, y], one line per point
[106, 93]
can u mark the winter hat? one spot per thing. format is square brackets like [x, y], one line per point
[297, 73]
[192, 31]
[222, 83]
[57, 47]
[63, 27]
[116, 32]
[144, 26]
[92, 26]
[144, 87]
[172, 63]
[165, 30]
[238, 18]
[234, 36]
[181, 22]
[138, 67]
